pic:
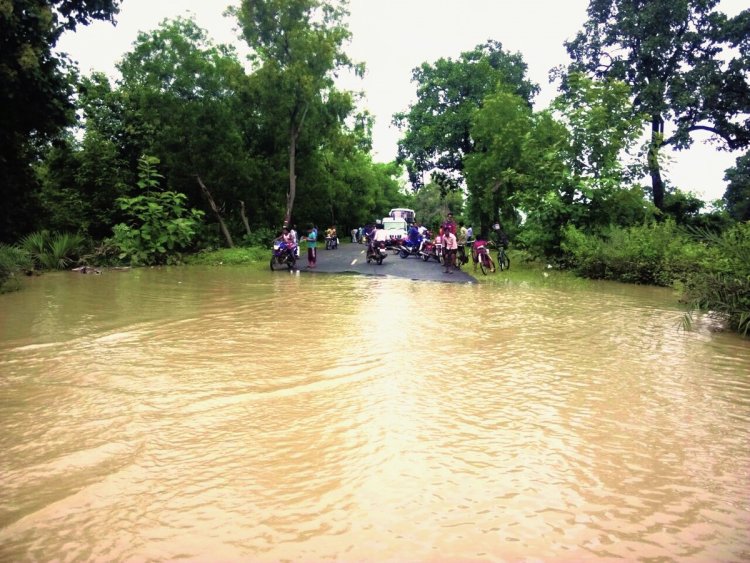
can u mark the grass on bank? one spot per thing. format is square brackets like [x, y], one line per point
[238, 256]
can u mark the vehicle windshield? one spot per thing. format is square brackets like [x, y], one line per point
[394, 225]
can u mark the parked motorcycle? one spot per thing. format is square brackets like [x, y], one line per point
[432, 250]
[283, 255]
[377, 251]
[409, 248]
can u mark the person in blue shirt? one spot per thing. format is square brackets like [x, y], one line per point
[413, 235]
[312, 246]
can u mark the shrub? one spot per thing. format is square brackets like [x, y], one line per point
[160, 227]
[54, 251]
[722, 287]
[655, 253]
[13, 260]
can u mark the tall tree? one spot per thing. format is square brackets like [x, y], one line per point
[437, 127]
[686, 63]
[181, 94]
[494, 171]
[35, 98]
[737, 194]
[298, 48]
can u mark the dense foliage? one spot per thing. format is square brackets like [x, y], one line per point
[36, 95]
[686, 63]
[159, 225]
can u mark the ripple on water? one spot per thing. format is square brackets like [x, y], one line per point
[237, 415]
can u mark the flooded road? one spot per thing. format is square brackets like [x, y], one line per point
[223, 414]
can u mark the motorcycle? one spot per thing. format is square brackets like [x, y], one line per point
[377, 251]
[434, 250]
[409, 248]
[283, 255]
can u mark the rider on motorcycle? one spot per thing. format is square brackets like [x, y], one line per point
[413, 238]
[286, 238]
[379, 235]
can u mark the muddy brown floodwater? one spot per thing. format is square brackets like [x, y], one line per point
[221, 414]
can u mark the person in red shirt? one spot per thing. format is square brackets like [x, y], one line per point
[449, 224]
[481, 241]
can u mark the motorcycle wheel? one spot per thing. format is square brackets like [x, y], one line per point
[441, 259]
[380, 260]
[425, 257]
[290, 261]
[403, 253]
[273, 259]
[369, 258]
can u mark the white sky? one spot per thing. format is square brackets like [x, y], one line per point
[393, 36]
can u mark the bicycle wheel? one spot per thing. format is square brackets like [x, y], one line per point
[503, 261]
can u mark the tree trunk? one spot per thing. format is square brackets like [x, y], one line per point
[292, 175]
[215, 209]
[657, 138]
[294, 131]
[244, 217]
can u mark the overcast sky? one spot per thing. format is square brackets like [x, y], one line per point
[393, 36]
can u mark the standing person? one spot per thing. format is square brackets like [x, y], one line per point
[312, 246]
[469, 233]
[449, 224]
[451, 246]
[499, 237]
[293, 232]
[354, 235]
[463, 237]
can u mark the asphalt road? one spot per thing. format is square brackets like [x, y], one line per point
[350, 258]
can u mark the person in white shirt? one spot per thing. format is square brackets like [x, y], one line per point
[451, 246]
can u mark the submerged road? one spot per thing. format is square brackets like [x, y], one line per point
[350, 258]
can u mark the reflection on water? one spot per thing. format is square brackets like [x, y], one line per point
[220, 414]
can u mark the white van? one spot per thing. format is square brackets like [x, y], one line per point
[395, 228]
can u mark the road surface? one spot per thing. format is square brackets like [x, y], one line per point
[350, 258]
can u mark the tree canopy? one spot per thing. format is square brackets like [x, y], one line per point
[36, 95]
[687, 65]
[437, 128]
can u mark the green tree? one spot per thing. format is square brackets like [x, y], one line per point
[36, 96]
[676, 55]
[437, 127]
[298, 49]
[495, 169]
[737, 194]
[159, 225]
[431, 202]
[576, 164]
[181, 97]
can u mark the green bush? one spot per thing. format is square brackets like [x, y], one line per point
[55, 251]
[722, 287]
[161, 227]
[13, 260]
[655, 253]
[231, 256]
[261, 237]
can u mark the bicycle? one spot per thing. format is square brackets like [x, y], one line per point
[503, 262]
[482, 257]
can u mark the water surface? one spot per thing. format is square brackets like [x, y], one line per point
[221, 414]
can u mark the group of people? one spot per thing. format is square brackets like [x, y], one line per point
[454, 237]
[289, 238]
